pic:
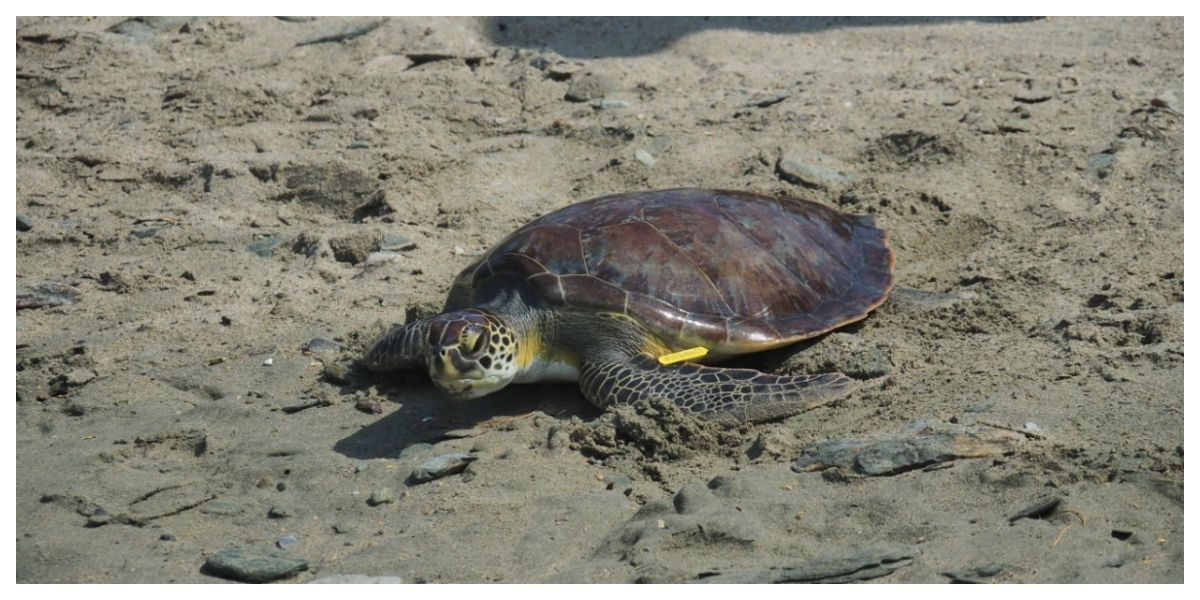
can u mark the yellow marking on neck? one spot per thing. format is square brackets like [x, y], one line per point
[682, 355]
[528, 348]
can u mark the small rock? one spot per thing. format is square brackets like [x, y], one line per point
[24, 223]
[354, 248]
[264, 247]
[1033, 95]
[79, 376]
[319, 345]
[166, 537]
[644, 157]
[440, 466]
[814, 170]
[1042, 507]
[286, 541]
[254, 565]
[280, 512]
[855, 565]
[611, 104]
[382, 496]
[1167, 100]
[396, 242]
[590, 85]
[344, 528]
[337, 372]
[99, 518]
[415, 450]
[765, 100]
[458, 434]
[221, 507]
[352, 579]
[268, 361]
[375, 259]
[618, 483]
[918, 447]
[974, 574]
[370, 406]
[47, 294]
[1100, 162]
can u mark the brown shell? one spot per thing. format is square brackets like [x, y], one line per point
[735, 271]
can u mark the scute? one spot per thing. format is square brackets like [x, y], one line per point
[735, 271]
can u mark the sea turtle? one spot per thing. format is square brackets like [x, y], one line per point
[598, 291]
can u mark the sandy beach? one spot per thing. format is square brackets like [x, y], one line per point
[216, 216]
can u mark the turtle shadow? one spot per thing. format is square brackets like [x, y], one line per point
[597, 37]
[425, 414]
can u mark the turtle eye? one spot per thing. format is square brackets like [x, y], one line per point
[473, 337]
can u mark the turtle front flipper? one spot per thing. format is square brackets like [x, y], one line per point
[402, 347]
[743, 394]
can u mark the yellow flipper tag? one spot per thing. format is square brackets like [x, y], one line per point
[682, 355]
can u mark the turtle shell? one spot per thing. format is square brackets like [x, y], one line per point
[734, 271]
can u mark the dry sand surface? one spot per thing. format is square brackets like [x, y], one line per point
[221, 213]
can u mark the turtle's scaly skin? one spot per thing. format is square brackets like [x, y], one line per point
[595, 291]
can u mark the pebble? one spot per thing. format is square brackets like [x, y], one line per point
[644, 157]
[280, 512]
[24, 223]
[47, 294]
[379, 258]
[1167, 100]
[286, 541]
[264, 247]
[1042, 507]
[343, 528]
[765, 100]
[369, 405]
[440, 466]
[221, 507]
[590, 85]
[611, 104]
[618, 482]
[859, 565]
[812, 169]
[341, 579]
[268, 361]
[458, 434]
[254, 565]
[167, 537]
[320, 344]
[396, 242]
[382, 496]
[336, 372]
[414, 450]
[99, 518]
[913, 449]
[974, 574]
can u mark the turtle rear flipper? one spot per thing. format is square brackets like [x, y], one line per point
[743, 394]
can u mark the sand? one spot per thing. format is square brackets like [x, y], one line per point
[204, 198]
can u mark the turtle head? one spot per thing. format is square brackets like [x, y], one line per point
[472, 353]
